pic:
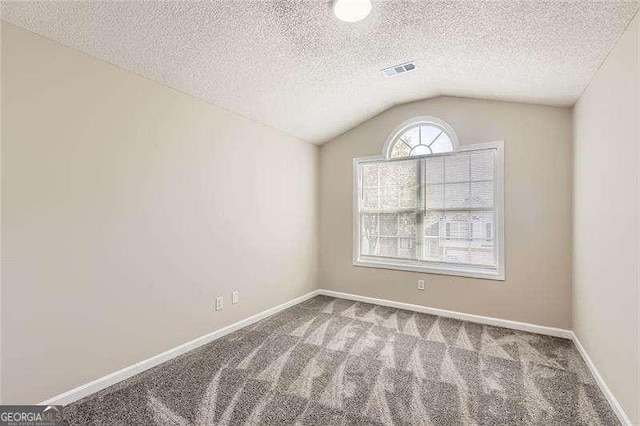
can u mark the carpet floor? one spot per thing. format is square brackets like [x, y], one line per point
[333, 361]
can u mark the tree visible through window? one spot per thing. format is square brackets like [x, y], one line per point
[429, 207]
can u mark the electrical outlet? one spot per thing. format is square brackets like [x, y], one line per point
[219, 303]
[235, 297]
[420, 284]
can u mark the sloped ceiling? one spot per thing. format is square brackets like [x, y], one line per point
[294, 66]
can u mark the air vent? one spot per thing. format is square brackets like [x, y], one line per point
[398, 69]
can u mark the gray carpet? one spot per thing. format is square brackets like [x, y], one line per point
[334, 361]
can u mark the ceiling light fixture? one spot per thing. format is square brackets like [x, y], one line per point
[351, 10]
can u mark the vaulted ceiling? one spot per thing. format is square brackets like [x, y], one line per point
[294, 66]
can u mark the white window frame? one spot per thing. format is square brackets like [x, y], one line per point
[440, 268]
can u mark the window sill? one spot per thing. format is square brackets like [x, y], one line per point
[428, 269]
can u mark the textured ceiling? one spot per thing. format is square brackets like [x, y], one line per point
[293, 66]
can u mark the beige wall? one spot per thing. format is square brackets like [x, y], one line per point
[537, 212]
[606, 297]
[127, 208]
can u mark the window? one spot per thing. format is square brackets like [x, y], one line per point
[429, 205]
[422, 136]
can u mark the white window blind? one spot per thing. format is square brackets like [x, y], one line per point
[435, 213]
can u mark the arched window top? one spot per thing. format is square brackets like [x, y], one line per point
[420, 136]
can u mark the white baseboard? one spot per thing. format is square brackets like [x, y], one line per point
[522, 326]
[613, 402]
[113, 378]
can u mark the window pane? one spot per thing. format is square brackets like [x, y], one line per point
[428, 134]
[433, 228]
[441, 144]
[481, 194]
[482, 245]
[369, 234]
[434, 195]
[456, 168]
[459, 237]
[403, 172]
[434, 170]
[411, 137]
[453, 246]
[456, 195]
[394, 186]
[407, 225]
[482, 165]
[388, 247]
[400, 149]
[388, 225]
[389, 197]
[388, 235]
[370, 174]
[469, 180]
[370, 199]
